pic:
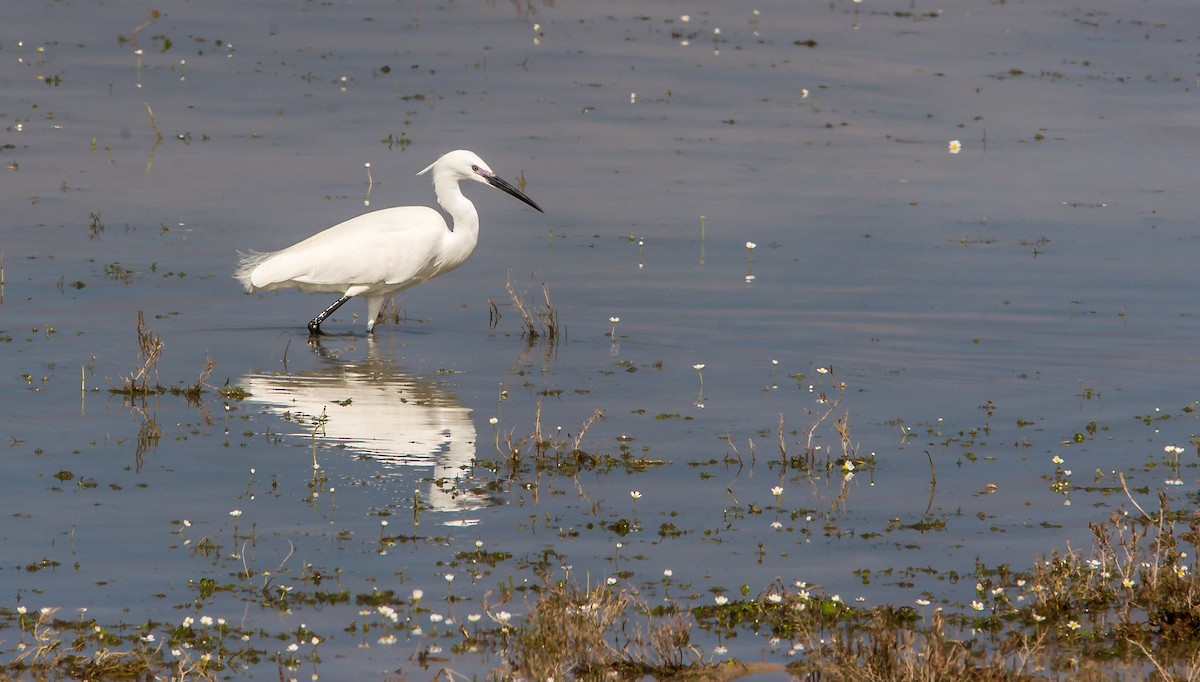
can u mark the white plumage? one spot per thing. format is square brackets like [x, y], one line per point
[382, 252]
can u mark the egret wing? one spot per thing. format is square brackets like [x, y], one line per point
[377, 250]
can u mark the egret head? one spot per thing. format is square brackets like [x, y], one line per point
[462, 164]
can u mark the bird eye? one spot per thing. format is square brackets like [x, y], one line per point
[475, 168]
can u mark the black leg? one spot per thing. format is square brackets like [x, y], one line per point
[314, 327]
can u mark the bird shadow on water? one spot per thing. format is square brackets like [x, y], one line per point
[374, 408]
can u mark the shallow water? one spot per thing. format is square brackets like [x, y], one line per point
[983, 307]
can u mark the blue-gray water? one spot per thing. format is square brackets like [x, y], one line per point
[989, 304]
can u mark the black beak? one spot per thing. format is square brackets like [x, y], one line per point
[502, 185]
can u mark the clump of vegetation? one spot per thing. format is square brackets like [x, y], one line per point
[137, 382]
[534, 323]
[595, 632]
[556, 452]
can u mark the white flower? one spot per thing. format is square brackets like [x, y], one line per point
[774, 598]
[955, 146]
[614, 320]
[474, 617]
[206, 620]
[721, 600]
[635, 494]
[417, 594]
[504, 616]
[449, 577]
[235, 513]
[1056, 459]
[751, 245]
[698, 366]
[777, 490]
[436, 617]
[977, 605]
[685, 18]
[667, 573]
[611, 581]
[923, 602]
[493, 421]
[293, 647]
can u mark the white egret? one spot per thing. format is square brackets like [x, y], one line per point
[385, 251]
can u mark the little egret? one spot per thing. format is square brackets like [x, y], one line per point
[385, 251]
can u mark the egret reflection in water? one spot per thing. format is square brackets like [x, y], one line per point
[373, 407]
